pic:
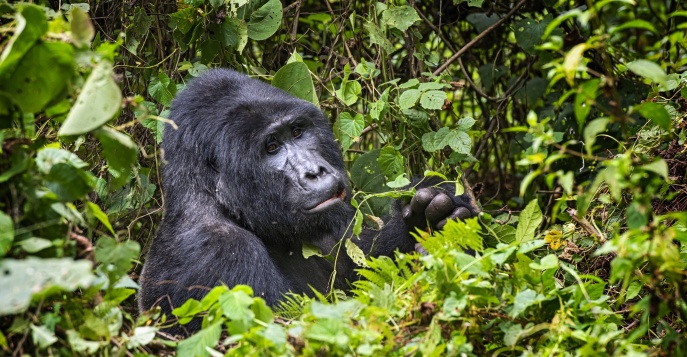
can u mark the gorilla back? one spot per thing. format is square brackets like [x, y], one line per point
[251, 174]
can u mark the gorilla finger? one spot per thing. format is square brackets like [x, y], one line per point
[407, 212]
[458, 213]
[461, 213]
[421, 199]
[420, 249]
[439, 208]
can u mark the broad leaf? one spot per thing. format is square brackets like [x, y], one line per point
[100, 99]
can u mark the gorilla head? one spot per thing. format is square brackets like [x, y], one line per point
[264, 158]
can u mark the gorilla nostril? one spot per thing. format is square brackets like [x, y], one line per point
[312, 175]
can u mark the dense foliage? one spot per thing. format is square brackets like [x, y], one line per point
[567, 116]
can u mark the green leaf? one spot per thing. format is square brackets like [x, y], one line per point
[649, 70]
[400, 17]
[23, 279]
[377, 37]
[464, 124]
[408, 98]
[433, 99]
[48, 157]
[572, 61]
[41, 77]
[310, 250]
[528, 33]
[295, 79]
[659, 167]
[183, 19]
[117, 258]
[548, 262]
[162, 89]
[195, 346]
[187, 311]
[120, 152]
[142, 336]
[523, 300]
[391, 161]
[530, 219]
[585, 98]
[82, 28]
[635, 24]
[41, 336]
[459, 141]
[69, 183]
[593, 128]
[6, 233]
[265, 21]
[399, 181]
[34, 244]
[94, 210]
[235, 305]
[349, 92]
[358, 224]
[100, 99]
[355, 253]
[234, 33]
[31, 24]
[655, 112]
[637, 216]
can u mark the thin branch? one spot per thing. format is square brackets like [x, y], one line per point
[478, 38]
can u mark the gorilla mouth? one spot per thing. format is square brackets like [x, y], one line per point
[336, 198]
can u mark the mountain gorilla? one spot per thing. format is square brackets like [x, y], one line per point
[252, 173]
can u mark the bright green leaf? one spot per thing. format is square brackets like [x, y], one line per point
[6, 233]
[649, 70]
[23, 279]
[294, 78]
[265, 21]
[400, 17]
[433, 99]
[195, 346]
[100, 99]
[530, 219]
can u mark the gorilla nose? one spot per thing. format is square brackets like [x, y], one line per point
[315, 173]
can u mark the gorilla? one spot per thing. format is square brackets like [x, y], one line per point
[251, 174]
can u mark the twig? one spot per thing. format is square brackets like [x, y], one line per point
[586, 225]
[477, 38]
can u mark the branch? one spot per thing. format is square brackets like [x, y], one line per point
[477, 38]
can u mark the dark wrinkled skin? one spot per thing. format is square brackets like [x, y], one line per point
[252, 174]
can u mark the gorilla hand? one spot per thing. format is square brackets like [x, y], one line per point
[432, 206]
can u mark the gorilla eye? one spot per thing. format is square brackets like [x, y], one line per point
[296, 132]
[272, 146]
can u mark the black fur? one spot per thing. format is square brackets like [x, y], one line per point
[236, 213]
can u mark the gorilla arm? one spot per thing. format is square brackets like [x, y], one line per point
[190, 264]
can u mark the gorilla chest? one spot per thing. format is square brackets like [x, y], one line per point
[302, 273]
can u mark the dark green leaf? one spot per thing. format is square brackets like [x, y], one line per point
[655, 112]
[235, 33]
[120, 152]
[41, 77]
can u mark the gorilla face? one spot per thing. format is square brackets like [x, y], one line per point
[292, 148]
